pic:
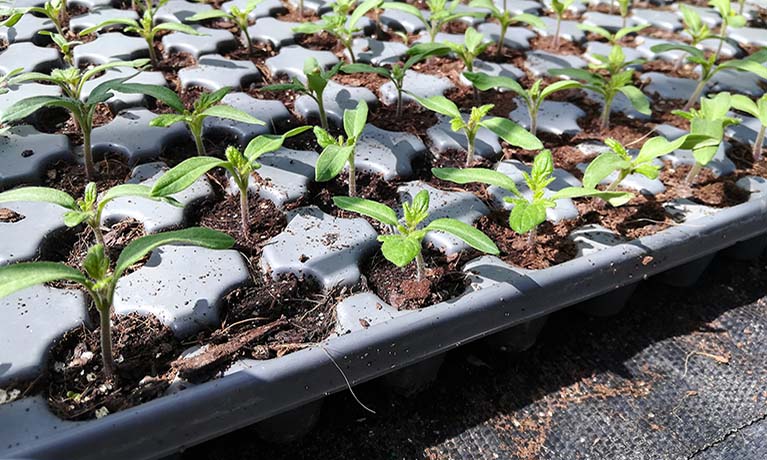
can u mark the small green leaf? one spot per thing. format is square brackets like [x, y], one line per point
[39, 194]
[484, 82]
[637, 98]
[601, 167]
[399, 249]
[167, 119]
[354, 120]
[210, 14]
[465, 232]
[657, 147]
[377, 211]
[161, 93]
[178, 27]
[230, 113]
[198, 236]
[20, 276]
[526, 216]
[30, 105]
[512, 133]
[439, 104]
[183, 175]
[481, 175]
[331, 162]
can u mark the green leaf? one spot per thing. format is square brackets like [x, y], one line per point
[323, 137]
[161, 93]
[30, 105]
[468, 234]
[308, 28]
[354, 120]
[637, 98]
[107, 23]
[481, 175]
[484, 82]
[178, 27]
[405, 8]
[658, 146]
[526, 216]
[20, 276]
[230, 113]
[601, 167]
[361, 10]
[614, 198]
[366, 68]
[601, 31]
[691, 50]
[198, 236]
[558, 86]
[39, 194]
[118, 191]
[377, 211]
[439, 104]
[210, 14]
[183, 175]
[629, 30]
[283, 87]
[136, 63]
[745, 104]
[577, 74]
[331, 162]
[512, 133]
[166, 119]
[399, 249]
[746, 65]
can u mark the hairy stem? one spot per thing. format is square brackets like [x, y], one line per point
[604, 118]
[90, 167]
[614, 184]
[106, 342]
[352, 176]
[248, 40]
[557, 31]
[196, 129]
[531, 236]
[501, 40]
[695, 95]
[399, 101]
[301, 8]
[470, 150]
[419, 266]
[694, 171]
[152, 53]
[533, 112]
[758, 143]
[245, 210]
[351, 52]
[323, 115]
[723, 33]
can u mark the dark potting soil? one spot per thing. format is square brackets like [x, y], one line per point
[551, 245]
[401, 288]
[70, 177]
[143, 349]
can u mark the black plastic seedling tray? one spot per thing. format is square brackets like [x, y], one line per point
[291, 384]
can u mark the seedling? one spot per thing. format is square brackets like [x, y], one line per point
[618, 159]
[405, 245]
[618, 80]
[474, 44]
[71, 81]
[502, 127]
[695, 28]
[623, 9]
[709, 123]
[206, 105]
[145, 27]
[339, 24]
[612, 38]
[506, 19]
[758, 110]
[54, 10]
[709, 67]
[66, 47]
[87, 210]
[240, 165]
[395, 74]
[240, 17]
[730, 18]
[533, 98]
[99, 280]
[528, 213]
[337, 152]
[316, 81]
[440, 13]
[559, 7]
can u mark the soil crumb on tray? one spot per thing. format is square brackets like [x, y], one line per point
[143, 350]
